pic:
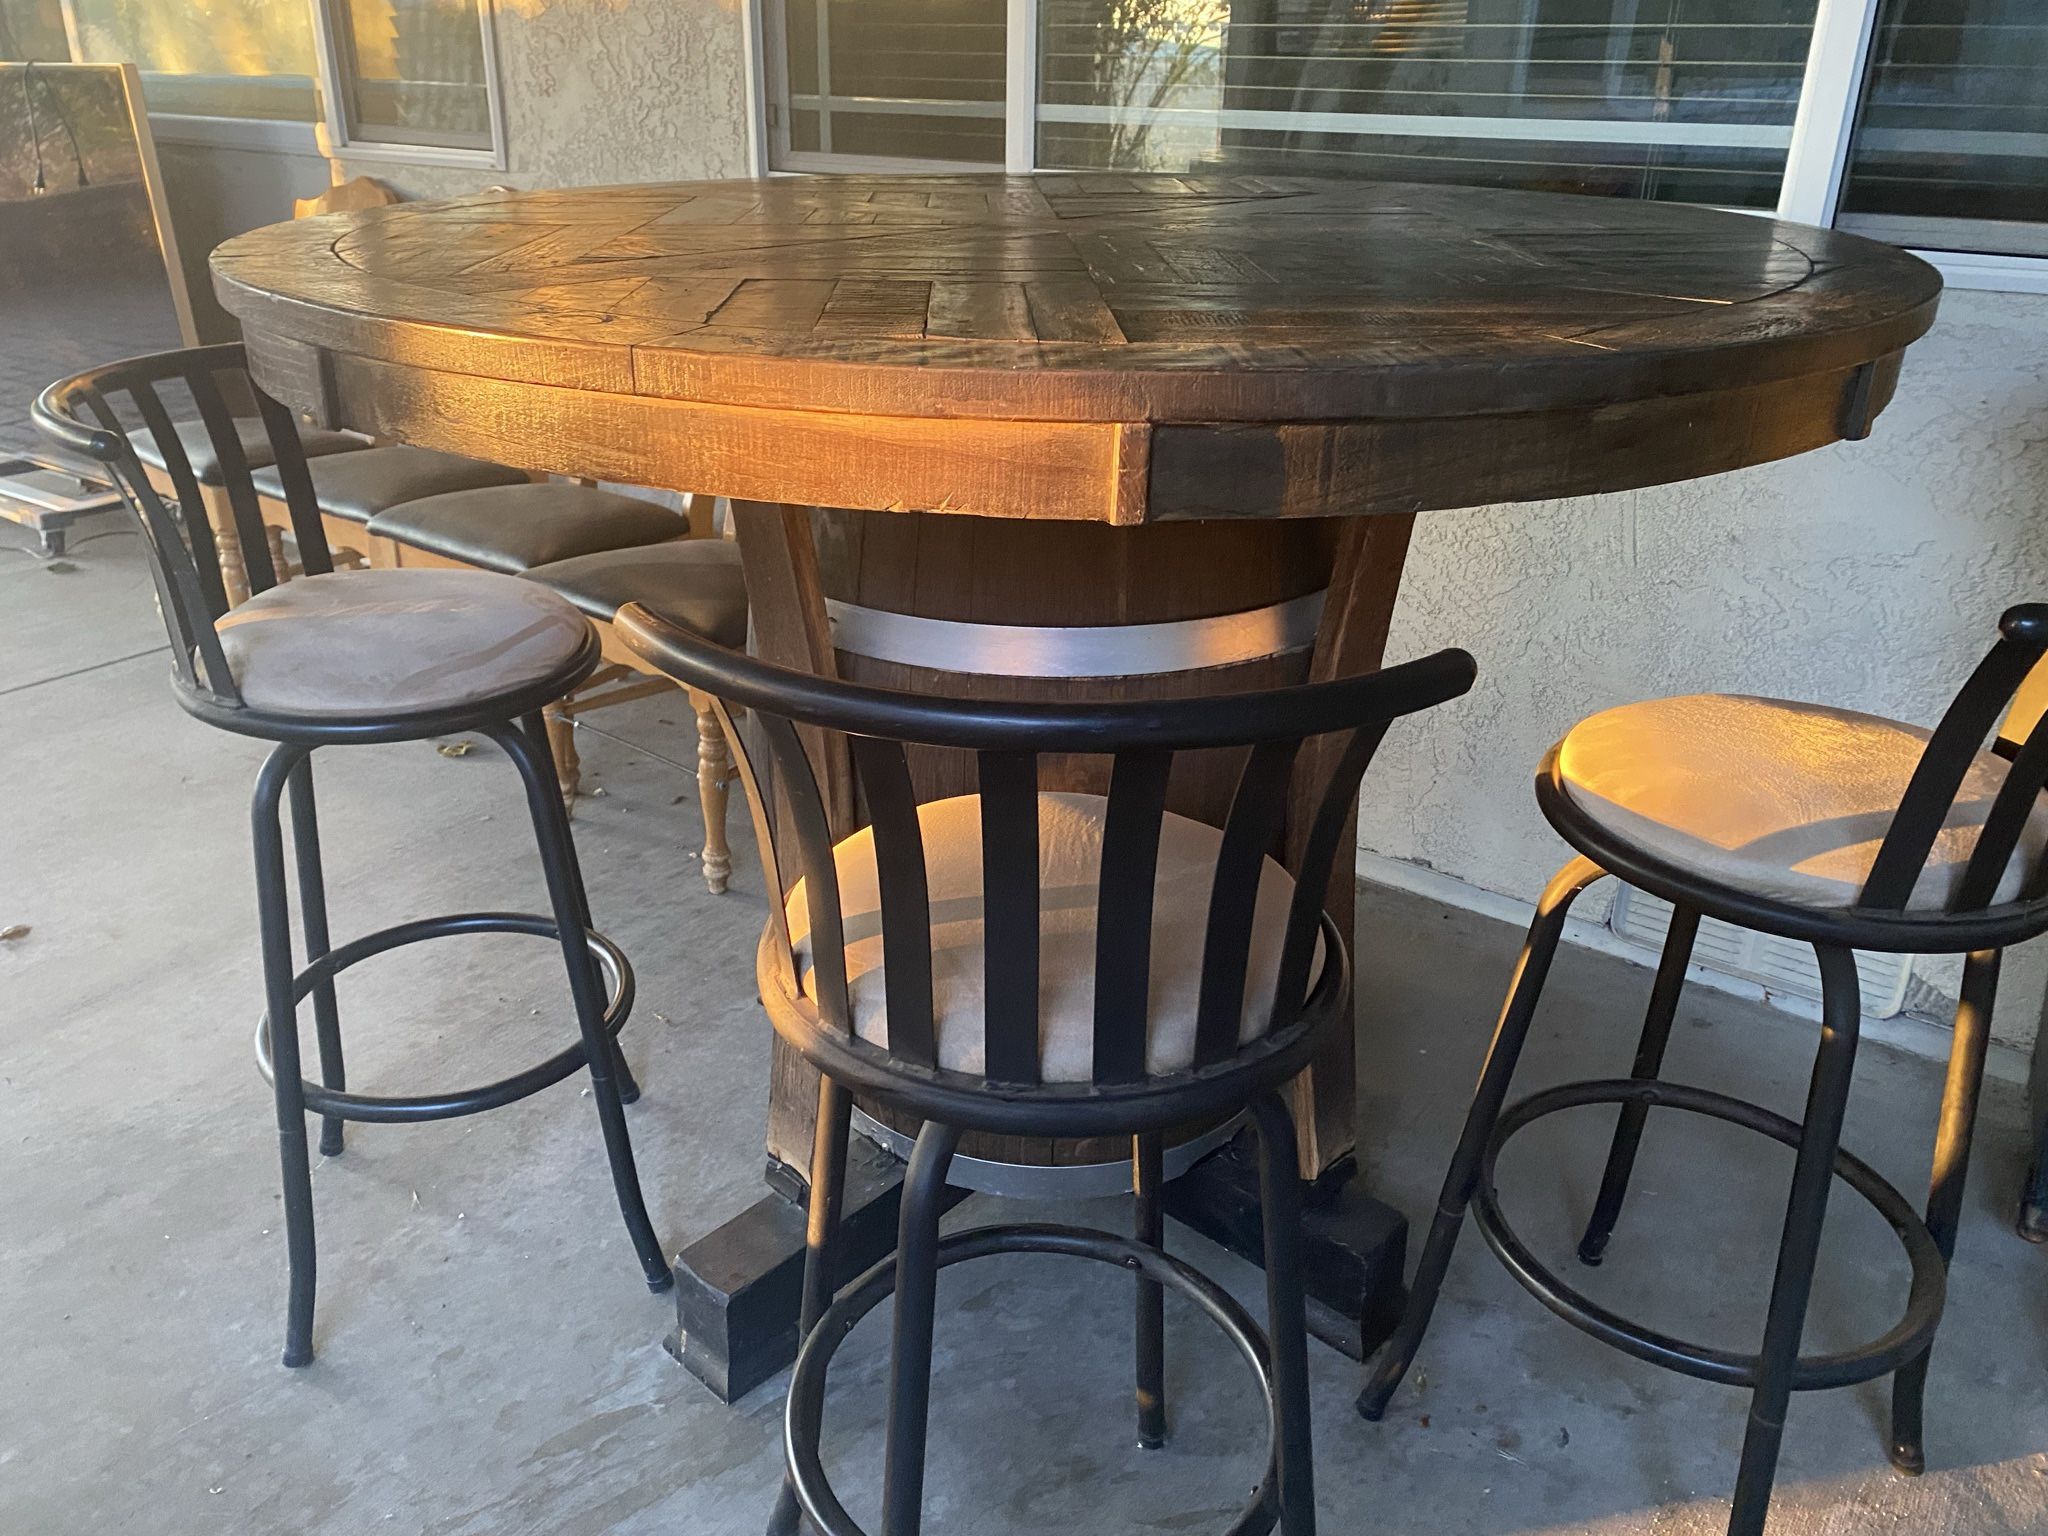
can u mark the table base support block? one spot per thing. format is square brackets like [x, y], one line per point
[739, 1286]
[1354, 1248]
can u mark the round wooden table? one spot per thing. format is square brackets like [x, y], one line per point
[1129, 432]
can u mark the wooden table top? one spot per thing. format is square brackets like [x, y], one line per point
[1136, 301]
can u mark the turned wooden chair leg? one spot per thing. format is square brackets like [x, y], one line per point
[274, 536]
[562, 745]
[714, 773]
[227, 543]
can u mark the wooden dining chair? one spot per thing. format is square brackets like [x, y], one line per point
[1842, 830]
[1049, 964]
[337, 659]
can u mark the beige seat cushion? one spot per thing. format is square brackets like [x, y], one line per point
[512, 528]
[392, 643]
[357, 486]
[1781, 800]
[1069, 866]
[696, 583]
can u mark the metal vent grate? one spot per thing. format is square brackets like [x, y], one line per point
[1780, 965]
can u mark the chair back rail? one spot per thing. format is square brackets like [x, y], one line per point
[1965, 727]
[1007, 740]
[95, 414]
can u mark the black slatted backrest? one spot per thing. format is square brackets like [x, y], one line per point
[1007, 740]
[1931, 793]
[97, 414]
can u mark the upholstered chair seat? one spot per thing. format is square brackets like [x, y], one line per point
[249, 432]
[694, 582]
[379, 644]
[357, 486]
[512, 528]
[1780, 800]
[1069, 863]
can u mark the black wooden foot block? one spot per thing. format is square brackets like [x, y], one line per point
[738, 1288]
[1354, 1248]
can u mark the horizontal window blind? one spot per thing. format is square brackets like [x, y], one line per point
[1950, 148]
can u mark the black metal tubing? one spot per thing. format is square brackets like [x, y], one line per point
[1461, 1179]
[1656, 1036]
[410, 1109]
[1149, 1224]
[803, 1416]
[1841, 1368]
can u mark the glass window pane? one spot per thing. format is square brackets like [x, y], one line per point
[209, 58]
[1686, 100]
[896, 79]
[416, 72]
[1951, 149]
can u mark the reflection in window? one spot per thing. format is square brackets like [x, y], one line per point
[1951, 148]
[414, 72]
[1679, 99]
[896, 79]
[209, 58]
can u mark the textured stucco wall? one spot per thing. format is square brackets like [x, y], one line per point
[604, 91]
[1868, 575]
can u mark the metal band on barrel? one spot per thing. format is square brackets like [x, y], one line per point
[1098, 650]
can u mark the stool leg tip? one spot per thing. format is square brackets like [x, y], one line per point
[330, 1142]
[661, 1282]
[1591, 1252]
[1909, 1459]
[298, 1355]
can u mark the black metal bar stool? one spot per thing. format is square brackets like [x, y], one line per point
[1048, 964]
[1842, 830]
[329, 660]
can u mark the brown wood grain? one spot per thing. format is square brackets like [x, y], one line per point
[1089, 298]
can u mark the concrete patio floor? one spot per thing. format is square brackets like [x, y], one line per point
[489, 1360]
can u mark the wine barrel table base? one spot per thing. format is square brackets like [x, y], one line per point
[1083, 435]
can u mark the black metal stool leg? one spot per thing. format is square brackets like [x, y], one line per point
[274, 921]
[1945, 1193]
[536, 728]
[1628, 1131]
[828, 1188]
[910, 1358]
[1524, 991]
[1813, 1173]
[1146, 1156]
[1286, 1311]
[313, 919]
[565, 892]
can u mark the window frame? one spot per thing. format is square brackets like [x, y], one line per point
[329, 133]
[1816, 157]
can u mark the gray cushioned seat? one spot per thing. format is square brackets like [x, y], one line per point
[513, 527]
[692, 582]
[383, 643]
[1782, 800]
[1069, 871]
[357, 486]
[198, 445]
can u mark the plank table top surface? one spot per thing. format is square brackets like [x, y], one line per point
[1137, 303]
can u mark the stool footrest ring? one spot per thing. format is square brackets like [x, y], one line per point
[408, 1108]
[803, 1417]
[1880, 1357]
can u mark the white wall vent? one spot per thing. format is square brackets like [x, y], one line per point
[1781, 965]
